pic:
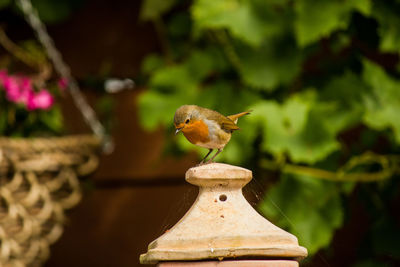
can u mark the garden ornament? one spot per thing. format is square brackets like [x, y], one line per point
[221, 226]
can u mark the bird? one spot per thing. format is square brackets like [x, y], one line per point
[205, 127]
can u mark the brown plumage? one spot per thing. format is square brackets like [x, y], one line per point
[205, 127]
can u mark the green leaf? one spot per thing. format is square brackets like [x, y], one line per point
[362, 6]
[319, 18]
[157, 109]
[280, 125]
[52, 119]
[309, 208]
[166, 78]
[274, 63]
[295, 128]
[318, 138]
[55, 11]
[4, 3]
[270, 3]
[187, 74]
[152, 9]
[347, 89]
[236, 16]
[152, 63]
[200, 64]
[389, 22]
[180, 25]
[341, 102]
[383, 104]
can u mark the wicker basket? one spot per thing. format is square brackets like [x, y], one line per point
[38, 182]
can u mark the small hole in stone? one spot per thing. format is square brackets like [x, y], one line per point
[223, 197]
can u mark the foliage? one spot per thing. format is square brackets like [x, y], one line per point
[323, 81]
[315, 224]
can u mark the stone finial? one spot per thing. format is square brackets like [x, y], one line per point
[222, 224]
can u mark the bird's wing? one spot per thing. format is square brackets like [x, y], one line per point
[228, 124]
[235, 117]
[225, 123]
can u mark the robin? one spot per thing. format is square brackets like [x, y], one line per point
[205, 127]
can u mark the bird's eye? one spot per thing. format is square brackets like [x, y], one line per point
[187, 121]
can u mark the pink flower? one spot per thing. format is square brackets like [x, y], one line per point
[62, 83]
[12, 89]
[26, 90]
[18, 89]
[41, 100]
[25, 84]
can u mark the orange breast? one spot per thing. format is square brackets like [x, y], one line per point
[196, 132]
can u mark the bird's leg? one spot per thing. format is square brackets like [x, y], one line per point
[202, 161]
[213, 157]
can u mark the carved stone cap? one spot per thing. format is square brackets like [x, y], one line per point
[216, 173]
[222, 224]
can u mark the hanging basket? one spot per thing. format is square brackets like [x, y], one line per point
[38, 182]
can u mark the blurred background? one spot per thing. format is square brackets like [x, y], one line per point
[323, 81]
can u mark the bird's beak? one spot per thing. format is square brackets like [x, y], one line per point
[178, 130]
[178, 127]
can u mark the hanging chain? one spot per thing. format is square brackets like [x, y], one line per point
[64, 71]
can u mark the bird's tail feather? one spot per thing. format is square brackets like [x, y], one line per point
[235, 117]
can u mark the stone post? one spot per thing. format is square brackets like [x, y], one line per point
[222, 228]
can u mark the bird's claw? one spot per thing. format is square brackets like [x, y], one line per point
[204, 163]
